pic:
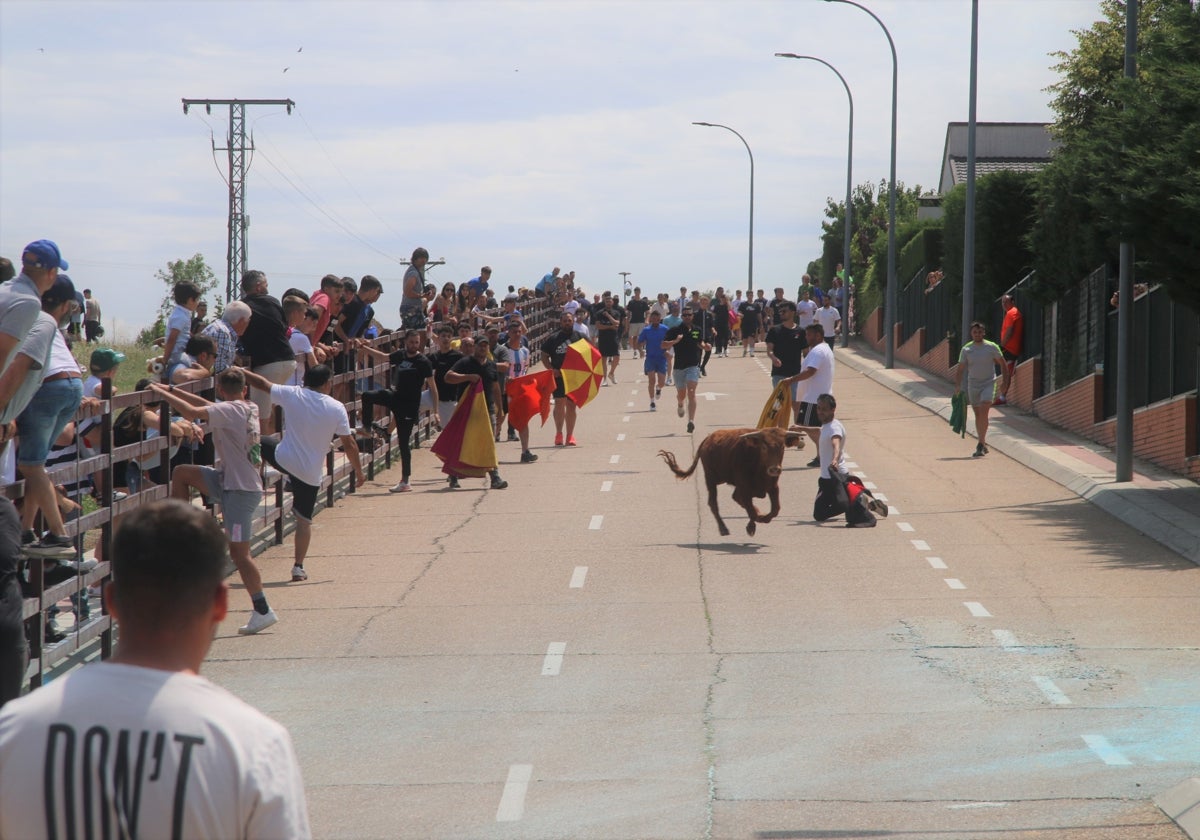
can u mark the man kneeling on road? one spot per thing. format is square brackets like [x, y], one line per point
[832, 495]
[311, 419]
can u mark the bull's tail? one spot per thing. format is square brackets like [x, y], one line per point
[674, 466]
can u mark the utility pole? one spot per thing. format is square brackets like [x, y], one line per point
[236, 146]
[625, 283]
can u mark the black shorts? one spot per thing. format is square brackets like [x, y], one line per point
[749, 331]
[609, 343]
[304, 496]
[560, 388]
[806, 414]
[1009, 357]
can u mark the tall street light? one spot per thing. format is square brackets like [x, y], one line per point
[889, 306]
[849, 177]
[750, 268]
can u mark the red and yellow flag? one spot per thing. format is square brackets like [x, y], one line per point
[466, 446]
[529, 395]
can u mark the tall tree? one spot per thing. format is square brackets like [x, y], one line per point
[1129, 166]
[195, 270]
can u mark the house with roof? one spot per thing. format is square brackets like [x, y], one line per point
[999, 146]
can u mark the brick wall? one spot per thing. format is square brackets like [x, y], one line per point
[1077, 407]
[937, 361]
[910, 351]
[1163, 433]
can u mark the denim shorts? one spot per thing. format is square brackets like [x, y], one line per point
[237, 506]
[685, 375]
[53, 406]
[775, 380]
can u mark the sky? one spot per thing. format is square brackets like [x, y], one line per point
[521, 135]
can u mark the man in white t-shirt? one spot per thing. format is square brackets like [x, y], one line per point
[311, 419]
[142, 745]
[817, 376]
[829, 319]
[234, 482]
[806, 308]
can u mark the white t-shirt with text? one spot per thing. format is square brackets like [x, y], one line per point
[310, 420]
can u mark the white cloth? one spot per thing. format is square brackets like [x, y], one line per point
[61, 360]
[804, 312]
[301, 346]
[821, 358]
[310, 420]
[829, 431]
[226, 770]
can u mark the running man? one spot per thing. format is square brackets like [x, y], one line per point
[650, 343]
[554, 351]
[978, 359]
[689, 343]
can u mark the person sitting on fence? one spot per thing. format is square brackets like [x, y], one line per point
[311, 418]
[220, 768]
[236, 484]
[179, 325]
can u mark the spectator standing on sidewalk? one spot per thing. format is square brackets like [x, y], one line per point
[1012, 334]
[235, 483]
[977, 360]
[829, 319]
[220, 767]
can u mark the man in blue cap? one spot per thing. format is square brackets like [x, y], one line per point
[21, 298]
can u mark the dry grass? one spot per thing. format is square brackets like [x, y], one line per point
[130, 371]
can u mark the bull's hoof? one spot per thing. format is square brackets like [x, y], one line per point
[750, 528]
[724, 531]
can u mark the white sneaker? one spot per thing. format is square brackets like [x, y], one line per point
[652, 405]
[258, 622]
[680, 409]
[298, 574]
[401, 487]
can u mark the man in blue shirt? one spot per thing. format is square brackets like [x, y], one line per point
[545, 286]
[649, 341]
[479, 285]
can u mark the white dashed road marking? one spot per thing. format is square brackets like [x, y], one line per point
[594, 525]
[605, 486]
[936, 562]
[977, 609]
[625, 419]
[621, 437]
[615, 459]
[920, 545]
[554, 659]
[578, 576]
[1107, 752]
[955, 583]
[904, 526]
[1052, 692]
[512, 800]
[1008, 641]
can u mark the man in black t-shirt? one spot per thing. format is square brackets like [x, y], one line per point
[689, 341]
[752, 312]
[411, 374]
[786, 344]
[610, 323]
[468, 370]
[777, 306]
[637, 307]
[554, 350]
[265, 341]
[444, 359]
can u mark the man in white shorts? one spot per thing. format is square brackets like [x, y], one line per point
[235, 482]
[979, 358]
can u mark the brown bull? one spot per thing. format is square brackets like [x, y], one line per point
[749, 459]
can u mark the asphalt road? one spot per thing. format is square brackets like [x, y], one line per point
[583, 656]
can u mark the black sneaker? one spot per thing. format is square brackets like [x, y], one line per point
[498, 483]
[453, 482]
[815, 462]
[52, 635]
[691, 427]
[382, 430]
[28, 537]
[980, 451]
[512, 434]
[528, 457]
[56, 546]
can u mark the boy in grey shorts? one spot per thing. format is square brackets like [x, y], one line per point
[978, 360]
[235, 482]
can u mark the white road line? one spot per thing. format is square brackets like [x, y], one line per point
[1107, 752]
[594, 525]
[904, 526]
[850, 465]
[1008, 641]
[621, 437]
[605, 486]
[512, 800]
[633, 393]
[936, 562]
[977, 609]
[870, 485]
[1052, 692]
[554, 659]
[629, 405]
[578, 576]
[892, 511]
[615, 459]
[625, 419]
[955, 583]
[920, 545]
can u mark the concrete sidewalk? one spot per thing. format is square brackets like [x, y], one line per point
[1160, 504]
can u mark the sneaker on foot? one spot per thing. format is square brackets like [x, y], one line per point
[679, 410]
[453, 482]
[400, 487]
[571, 441]
[979, 451]
[691, 427]
[56, 546]
[298, 574]
[258, 621]
[28, 537]
[703, 372]
[658, 393]
[815, 462]
[512, 434]
[528, 457]
[653, 407]
[878, 507]
[669, 381]
[558, 440]
[498, 483]
[381, 430]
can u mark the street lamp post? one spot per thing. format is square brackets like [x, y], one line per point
[889, 307]
[625, 284]
[750, 266]
[849, 178]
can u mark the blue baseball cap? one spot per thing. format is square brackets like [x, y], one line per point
[46, 253]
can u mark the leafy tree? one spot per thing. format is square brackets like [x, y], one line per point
[1129, 166]
[195, 270]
